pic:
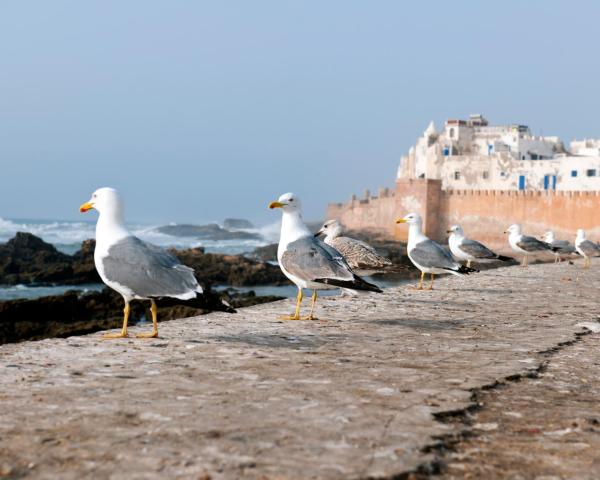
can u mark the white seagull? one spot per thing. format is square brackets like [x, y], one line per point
[427, 255]
[524, 244]
[586, 248]
[136, 269]
[309, 262]
[562, 247]
[471, 250]
[362, 257]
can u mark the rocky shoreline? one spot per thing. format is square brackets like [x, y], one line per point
[28, 260]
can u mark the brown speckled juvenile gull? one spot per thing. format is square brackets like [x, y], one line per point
[362, 257]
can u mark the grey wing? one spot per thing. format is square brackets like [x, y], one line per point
[309, 259]
[563, 246]
[589, 248]
[359, 255]
[430, 254]
[532, 244]
[147, 270]
[476, 249]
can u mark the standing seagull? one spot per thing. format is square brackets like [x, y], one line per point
[427, 255]
[362, 257]
[562, 247]
[309, 262]
[526, 245]
[136, 269]
[586, 248]
[471, 250]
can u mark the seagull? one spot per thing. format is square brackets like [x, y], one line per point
[136, 269]
[526, 245]
[309, 262]
[362, 257]
[563, 247]
[586, 248]
[471, 250]
[427, 255]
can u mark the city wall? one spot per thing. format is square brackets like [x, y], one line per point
[483, 214]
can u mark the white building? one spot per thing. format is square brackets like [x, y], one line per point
[471, 154]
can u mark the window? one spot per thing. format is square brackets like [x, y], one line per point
[503, 174]
[486, 175]
[451, 133]
[456, 175]
[521, 182]
[573, 173]
[590, 172]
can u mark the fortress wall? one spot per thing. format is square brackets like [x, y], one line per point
[374, 214]
[484, 214]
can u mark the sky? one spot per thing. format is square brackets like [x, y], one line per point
[196, 111]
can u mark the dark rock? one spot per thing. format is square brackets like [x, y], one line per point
[219, 269]
[75, 314]
[238, 223]
[28, 259]
[267, 253]
[206, 232]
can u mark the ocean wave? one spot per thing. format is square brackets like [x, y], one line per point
[67, 236]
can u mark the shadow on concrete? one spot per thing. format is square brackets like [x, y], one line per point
[422, 324]
[293, 342]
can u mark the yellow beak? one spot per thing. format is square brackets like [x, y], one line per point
[85, 207]
[273, 205]
[400, 220]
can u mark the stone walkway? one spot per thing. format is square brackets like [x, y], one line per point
[248, 396]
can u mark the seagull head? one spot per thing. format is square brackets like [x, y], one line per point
[515, 229]
[548, 236]
[580, 233]
[456, 230]
[288, 202]
[331, 228]
[411, 219]
[104, 200]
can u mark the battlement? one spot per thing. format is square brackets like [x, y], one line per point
[484, 214]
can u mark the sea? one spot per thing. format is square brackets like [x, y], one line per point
[67, 237]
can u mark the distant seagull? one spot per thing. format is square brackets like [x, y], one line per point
[586, 248]
[136, 269]
[362, 257]
[561, 247]
[471, 250]
[307, 261]
[525, 245]
[428, 256]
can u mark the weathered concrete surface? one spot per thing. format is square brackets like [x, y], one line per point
[247, 395]
[546, 427]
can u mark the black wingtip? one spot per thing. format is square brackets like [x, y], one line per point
[356, 284]
[466, 270]
[502, 258]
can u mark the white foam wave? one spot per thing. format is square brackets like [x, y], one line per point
[67, 236]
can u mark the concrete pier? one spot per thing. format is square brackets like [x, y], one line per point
[358, 394]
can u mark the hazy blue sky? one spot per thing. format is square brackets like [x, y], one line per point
[200, 110]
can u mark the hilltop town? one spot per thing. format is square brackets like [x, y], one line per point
[486, 177]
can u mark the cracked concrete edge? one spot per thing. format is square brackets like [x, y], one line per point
[446, 443]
